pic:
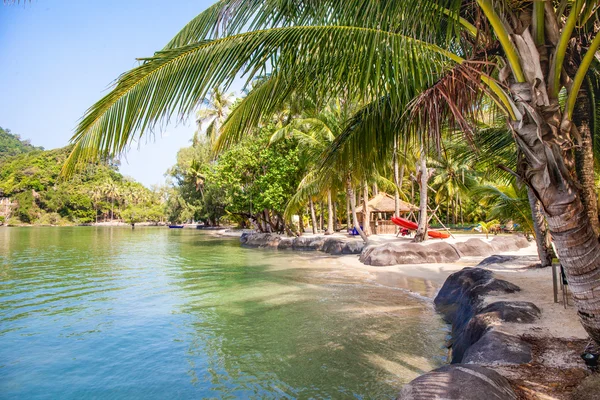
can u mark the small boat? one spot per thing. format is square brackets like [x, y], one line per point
[412, 226]
[175, 226]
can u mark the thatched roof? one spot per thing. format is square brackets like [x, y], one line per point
[384, 203]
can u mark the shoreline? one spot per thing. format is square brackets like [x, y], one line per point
[556, 338]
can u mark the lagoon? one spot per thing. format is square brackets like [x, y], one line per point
[105, 313]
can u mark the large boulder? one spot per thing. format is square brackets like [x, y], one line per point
[459, 382]
[308, 243]
[409, 253]
[498, 348]
[353, 247]
[509, 243]
[285, 243]
[461, 298]
[260, 240]
[333, 245]
[474, 247]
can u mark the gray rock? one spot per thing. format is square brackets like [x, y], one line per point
[333, 246]
[509, 243]
[474, 247]
[260, 240]
[498, 348]
[461, 298]
[512, 311]
[459, 382]
[353, 247]
[409, 253]
[308, 243]
[285, 243]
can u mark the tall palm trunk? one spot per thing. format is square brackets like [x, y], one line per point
[421, 234]
[352, 198]
[548, 166]
[584, 158]
[366, 210]
[301, 222]
[396, 181]
[329, 214]
[348, 213]
[313, 217]
[541, 232]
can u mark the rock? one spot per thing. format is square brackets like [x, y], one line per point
[260, 240]
[310, 243]
[285, 243]
[409, 253]
[353, 247]
[464, 289]
[461, 298]
[474, 247]
[459, 382]
[333, 246]
[496, 259]
[498, 348]
[512, 311]
[509, 243]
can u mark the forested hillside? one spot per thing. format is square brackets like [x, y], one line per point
[11, 145]
[98, 193]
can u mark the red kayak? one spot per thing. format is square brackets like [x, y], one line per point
[404, 223]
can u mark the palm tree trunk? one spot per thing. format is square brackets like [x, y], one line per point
[352, 198]
[335, 218]
[366, 211]
[301, 221]
[112, 209]
[541, 232]
[313, 217]
[348, 213]
[548, 168]
[584, 158]
[396, 181]
[421, 234]
[329, 214]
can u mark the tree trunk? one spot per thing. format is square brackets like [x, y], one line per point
[584, 158]
[313, 217]
[329, 214]
[396, 181]
[335, 219]
[366, 211]
[348, 213]
[350, 192]
[548, 167]
[321, 218]
[301, 222]
[421, 234]
[541, 232]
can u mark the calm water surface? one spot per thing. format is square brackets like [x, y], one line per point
[110, 313]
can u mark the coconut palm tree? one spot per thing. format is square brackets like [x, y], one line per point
[112, 191]
[418, 64]
[214, 110]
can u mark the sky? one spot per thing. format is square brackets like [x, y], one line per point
[57, 57]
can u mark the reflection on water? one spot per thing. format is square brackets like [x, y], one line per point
[158, 313]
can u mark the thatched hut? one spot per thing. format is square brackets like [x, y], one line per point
[382, 208]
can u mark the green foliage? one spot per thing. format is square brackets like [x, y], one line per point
[32, 180]
[246, 180]
[12, 145]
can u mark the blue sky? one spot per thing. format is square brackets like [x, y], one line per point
[58, 57]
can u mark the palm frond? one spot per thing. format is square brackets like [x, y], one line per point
[173, 82]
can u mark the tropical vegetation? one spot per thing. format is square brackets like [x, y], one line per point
[98, 193]
[418, 71]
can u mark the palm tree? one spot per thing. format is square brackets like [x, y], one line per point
[112, 191]
[486, 227]
[215, 108]
[194, 173]
[420, 64]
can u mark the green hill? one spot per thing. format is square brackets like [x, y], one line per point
[99, 192]
[11, 145]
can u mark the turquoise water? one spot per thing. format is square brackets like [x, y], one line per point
[110, 313]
